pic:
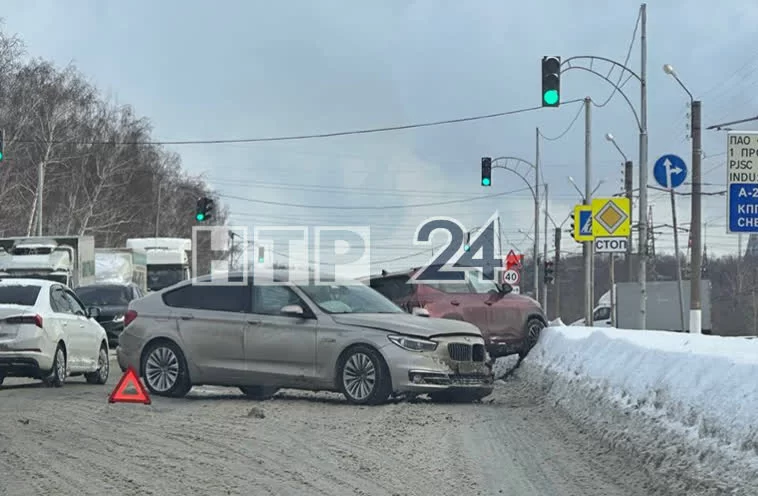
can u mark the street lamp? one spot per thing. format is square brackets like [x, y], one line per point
[696, 308]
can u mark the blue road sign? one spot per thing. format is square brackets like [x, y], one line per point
[743, 207]
[670, 171]
[585, 223]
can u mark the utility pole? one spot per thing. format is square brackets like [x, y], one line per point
[696, 316]
[557, 283]
[544, 256]
[588, 246]
[158, 211]
[642, 275]
[536, 253]
[40, 185]
[678, 259]
[628, 187]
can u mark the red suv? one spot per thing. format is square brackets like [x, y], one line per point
[511, 323]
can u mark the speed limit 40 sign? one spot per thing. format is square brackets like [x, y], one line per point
[512, 277]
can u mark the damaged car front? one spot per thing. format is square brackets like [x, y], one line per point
[446, 359]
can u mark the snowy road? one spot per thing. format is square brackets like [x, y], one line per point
[70, 442]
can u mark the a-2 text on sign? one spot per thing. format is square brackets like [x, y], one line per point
[742, 181]
[611, 217]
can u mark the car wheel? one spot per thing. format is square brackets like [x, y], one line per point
[534, 328]
[100, 376]
[259, 392]
[165, 370]
[57, 376]
[363, 377]
[459, 396]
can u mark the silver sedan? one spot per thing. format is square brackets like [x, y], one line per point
[342, 337]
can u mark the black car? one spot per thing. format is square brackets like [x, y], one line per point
[113, 300]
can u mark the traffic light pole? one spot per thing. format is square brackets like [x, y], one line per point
[537, 217]
[556, 282]
[544, 256]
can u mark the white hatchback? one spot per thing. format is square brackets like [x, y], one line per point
[47, 333]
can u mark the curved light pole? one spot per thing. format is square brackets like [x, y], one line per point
[696, 307]
[534, 189]
[628, 194]
[643, 141]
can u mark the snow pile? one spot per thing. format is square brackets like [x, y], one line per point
[556, 323]
[686, 404]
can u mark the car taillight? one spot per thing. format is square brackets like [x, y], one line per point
[129, 317]
[26, 319]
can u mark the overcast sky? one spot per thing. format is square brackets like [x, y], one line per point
[247, 68]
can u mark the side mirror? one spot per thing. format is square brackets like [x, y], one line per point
[504, 288]
[420, 312]
[93, 312]
[292, 311]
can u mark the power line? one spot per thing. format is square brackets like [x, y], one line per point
[381, 207]
[619, 84]
[571, 124]
[302, 136]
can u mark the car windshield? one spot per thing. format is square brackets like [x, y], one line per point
[480, 285]
[162, 277]
[349, 298]
[103, 295]
[16, 294]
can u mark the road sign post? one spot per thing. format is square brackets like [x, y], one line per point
[670, 171]
[741, 182]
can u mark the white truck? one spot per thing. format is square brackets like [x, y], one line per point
[66, 259]
[168, 260]
[121, 265]
[663, 311]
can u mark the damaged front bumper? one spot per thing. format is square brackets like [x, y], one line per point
[429, 372]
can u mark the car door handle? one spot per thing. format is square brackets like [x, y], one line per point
[455, 302]
[254, 322]
[187, 317]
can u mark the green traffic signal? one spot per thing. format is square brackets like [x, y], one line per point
[466, 247]
[260, 260]
[200, 216]
[1, 156]
[550, 97]
[485, 181]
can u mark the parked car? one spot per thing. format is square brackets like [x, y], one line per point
[342, 337]
[113, 300]
[510, 323]
[47, 333]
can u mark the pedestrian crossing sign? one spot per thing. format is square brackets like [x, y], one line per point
[583, 223]
[611, 217]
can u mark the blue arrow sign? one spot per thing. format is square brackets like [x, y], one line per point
[670, 171]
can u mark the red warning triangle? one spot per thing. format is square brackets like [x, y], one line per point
[512, 260]
[129, 389]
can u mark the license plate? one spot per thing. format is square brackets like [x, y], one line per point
[468, 368]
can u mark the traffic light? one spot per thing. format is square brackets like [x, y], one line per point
[467, 244]
[551, 81]
[260, 254]
[549, 272]
[204, 209]
[486, 171]
[573, 227]
[2, 144]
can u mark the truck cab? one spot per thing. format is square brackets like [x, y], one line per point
[67, 260]
[167, 260]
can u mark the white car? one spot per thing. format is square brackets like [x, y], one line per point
[46, 333]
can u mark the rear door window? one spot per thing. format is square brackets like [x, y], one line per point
[214, 297]
[17, 294]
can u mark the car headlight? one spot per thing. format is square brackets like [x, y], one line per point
[413, 344]
[118, 318]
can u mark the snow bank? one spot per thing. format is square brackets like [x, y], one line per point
[687, 404]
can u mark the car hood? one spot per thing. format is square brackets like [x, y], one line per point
[411, 325]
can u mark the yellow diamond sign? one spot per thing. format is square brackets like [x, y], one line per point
[611, 217]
